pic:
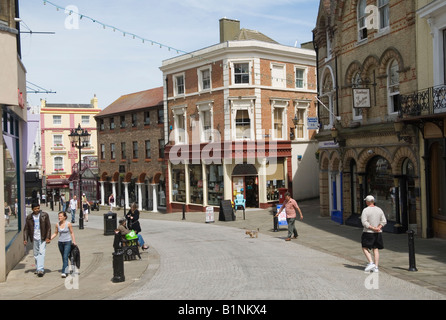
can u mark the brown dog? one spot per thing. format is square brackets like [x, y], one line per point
[253, 233]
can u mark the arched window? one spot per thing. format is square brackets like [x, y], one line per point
[356, 83]
[393, 87]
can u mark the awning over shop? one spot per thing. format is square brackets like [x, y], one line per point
[57, 183]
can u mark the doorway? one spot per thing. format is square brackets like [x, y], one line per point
[245, 182]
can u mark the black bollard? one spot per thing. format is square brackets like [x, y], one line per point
[412, 266]
[118, 259]
[118, 266]
[184, 211]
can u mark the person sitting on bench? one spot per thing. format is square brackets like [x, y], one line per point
[124, 230]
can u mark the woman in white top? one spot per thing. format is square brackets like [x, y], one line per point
[66, 238]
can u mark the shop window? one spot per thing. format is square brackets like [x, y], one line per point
[196, 183]
[11, 164]
[380, 185]
[214, 174]
[275, 179]
[178, 183]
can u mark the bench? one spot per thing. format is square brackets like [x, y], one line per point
[129, 247]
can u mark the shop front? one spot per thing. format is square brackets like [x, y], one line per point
[195, 183]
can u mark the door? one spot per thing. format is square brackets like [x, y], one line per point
[252, 192]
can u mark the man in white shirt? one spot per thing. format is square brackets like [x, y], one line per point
[73, 208]
[373, 220]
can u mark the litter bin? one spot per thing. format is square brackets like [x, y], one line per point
[110, 223]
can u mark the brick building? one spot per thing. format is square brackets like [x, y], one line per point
[131, 150]
[229, 111]
[366, 63]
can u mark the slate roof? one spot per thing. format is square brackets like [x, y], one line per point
[246, 34]
[134, 101]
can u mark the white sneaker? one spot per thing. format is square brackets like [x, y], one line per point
[370, 267]
[63, 275]
[375, 269]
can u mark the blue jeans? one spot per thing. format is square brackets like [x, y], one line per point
[73, 215]
[65, 248]
[140, 240]
[39, 248]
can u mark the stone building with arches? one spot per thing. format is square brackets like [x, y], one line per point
[131, 151]
[364, 68]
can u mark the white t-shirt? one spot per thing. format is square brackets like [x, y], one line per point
[73, 204]
[36, 219]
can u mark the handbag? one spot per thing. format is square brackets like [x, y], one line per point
[131, 235]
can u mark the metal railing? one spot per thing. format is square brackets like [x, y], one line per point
[424, 102]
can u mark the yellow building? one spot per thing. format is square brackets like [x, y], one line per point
[58, 155]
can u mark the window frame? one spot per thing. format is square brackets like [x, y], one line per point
[278, 82]
[233, 74]
[381, 8]
[304, 69]
[361, 20]
[392, 89]
[180, 111]
[58, 122]
[201, 79]
[282, 105]
[176, 85]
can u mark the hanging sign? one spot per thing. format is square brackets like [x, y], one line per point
[361, 98]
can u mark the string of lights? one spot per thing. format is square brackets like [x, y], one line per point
[161, 45]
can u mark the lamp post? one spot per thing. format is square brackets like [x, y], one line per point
[80, 138]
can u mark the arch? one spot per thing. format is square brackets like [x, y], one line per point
[244, 169]
[156, 178]
[325, 84]
[324, 160]
[366, 154]
[128, 177]
[141, 178]
[400, 155]
[349, 155]
[354, 67]
[369, 62]
[115, 177]
[388, 55]
[104, 176]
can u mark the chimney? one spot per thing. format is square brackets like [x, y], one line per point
[229, 29]
[94, 102]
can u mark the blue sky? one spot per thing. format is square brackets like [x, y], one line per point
[78, 63]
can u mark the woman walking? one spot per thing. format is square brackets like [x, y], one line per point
[66, 239]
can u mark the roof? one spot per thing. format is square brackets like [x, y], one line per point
[246, 34]
[135, 101]
[68, 106]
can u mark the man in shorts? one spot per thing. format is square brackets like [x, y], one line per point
[373, 220]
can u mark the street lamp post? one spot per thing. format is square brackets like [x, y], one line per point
[80, 138]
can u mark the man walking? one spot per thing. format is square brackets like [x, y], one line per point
[38, 230]
[373, 220]
[290, 206]
[73, 208]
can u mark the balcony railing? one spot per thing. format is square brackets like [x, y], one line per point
[424, 102]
